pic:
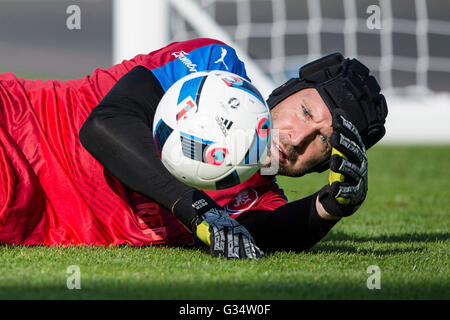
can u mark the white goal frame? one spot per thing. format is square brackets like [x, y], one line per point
[131, 34]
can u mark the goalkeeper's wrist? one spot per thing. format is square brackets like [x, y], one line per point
[323, 213]
[190, 206]
[332, 207]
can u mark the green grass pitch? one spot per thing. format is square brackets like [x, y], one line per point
[403, 228]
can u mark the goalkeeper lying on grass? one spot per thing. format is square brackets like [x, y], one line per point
[78, 163]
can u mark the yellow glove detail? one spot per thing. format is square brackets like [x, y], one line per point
[203, 233]
[337, 177]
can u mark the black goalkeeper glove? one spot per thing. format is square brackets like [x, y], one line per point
[225, 236]
[347, 184]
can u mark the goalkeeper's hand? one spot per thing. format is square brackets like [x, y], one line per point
[347, 183]
[225, 236]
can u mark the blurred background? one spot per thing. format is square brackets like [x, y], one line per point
[406, 43]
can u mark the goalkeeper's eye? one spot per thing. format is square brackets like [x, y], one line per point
[324, 139]
[306, 112]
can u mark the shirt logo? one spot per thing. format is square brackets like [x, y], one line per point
[185, 60]
[243, 201]
[222, 57]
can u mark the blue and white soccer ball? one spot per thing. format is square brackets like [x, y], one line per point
[212, 130]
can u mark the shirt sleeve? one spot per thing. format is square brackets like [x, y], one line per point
[182, 58]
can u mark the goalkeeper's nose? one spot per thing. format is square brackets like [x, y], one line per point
[302, 133]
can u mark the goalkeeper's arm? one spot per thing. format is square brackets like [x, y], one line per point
[118, 134]
[294, 226]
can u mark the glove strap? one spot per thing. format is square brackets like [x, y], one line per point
[332, 206]
[190, 206]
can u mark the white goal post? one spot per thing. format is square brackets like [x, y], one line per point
[134, 18]
[275, 37]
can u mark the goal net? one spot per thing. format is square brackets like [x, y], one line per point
[405, 43]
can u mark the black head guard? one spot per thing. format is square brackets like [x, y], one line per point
[343, 84]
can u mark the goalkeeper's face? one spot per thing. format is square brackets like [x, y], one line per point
[301, 132]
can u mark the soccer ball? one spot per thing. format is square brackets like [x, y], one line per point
[212, 130]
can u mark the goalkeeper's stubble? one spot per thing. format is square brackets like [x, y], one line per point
[301, 129]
